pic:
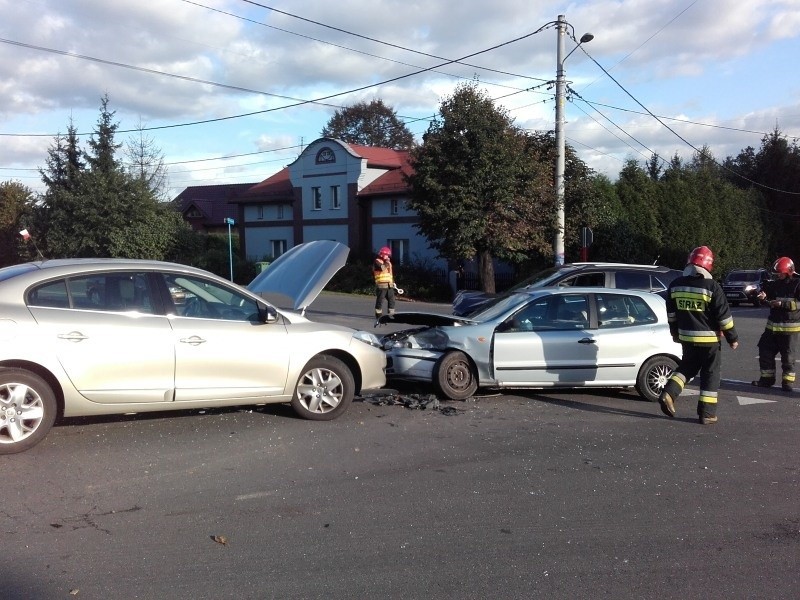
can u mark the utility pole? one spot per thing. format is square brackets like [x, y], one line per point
[561, 84]
[561, 87]
[228, 221]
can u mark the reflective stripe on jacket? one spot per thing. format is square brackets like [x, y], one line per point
[697, 311]
[784, 319]
[382, 272]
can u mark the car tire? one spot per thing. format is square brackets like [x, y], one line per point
[28, 410]
[454, 376]
[653, 376]
[324, 390]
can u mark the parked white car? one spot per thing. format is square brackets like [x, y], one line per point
[103, 336]
[540, 338]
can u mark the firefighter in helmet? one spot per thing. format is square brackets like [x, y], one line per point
[697, 312]
[782, 294]
[384, 281]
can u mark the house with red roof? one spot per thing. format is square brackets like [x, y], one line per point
[353, 194]
[205, 207]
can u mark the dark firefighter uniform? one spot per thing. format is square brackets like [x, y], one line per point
[780, 335]
[698, 312]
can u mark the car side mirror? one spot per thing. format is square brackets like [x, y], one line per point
[267, 313]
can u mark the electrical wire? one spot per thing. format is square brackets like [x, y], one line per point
[679, 136]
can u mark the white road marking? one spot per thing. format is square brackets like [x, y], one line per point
[744, 400]
[253, 496]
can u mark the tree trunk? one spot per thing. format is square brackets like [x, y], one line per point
[486, 271]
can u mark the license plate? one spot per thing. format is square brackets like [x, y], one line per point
[732, 295]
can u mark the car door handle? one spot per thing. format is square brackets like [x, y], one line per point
[586, 341]
[195, 340]
[73, 336]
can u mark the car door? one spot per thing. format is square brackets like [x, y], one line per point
[105, 335]
[222, 350]
[547, 342]
[626, 326]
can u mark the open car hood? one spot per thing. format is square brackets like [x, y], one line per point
[296, 277]
[422, 318]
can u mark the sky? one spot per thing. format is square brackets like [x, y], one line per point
[230, 91]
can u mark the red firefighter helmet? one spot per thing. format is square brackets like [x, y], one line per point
[701, 257]
[385, 251]
[784, 265]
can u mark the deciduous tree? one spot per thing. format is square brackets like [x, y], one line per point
[369, 124]
[477, 188]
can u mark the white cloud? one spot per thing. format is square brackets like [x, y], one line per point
[718, 62]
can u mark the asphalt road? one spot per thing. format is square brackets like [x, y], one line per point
[530, 495]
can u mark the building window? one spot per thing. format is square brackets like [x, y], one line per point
[193, 213]
[395, 206]
[316, 198]
[325, 155]
[278, 247]
[260, 211]
[399, 250]
[280, 211]
[335, 202]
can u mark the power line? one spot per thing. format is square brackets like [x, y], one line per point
[679, 136]
[298, 102]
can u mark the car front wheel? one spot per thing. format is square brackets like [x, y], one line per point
[27, 410]
[453, 376]
[653, 376]
[324, 390]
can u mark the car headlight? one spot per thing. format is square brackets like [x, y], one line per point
[367, 338]
[750, 288]
[426, 339]
[390, 344]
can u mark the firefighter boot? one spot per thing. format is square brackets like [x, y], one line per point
[667, 404]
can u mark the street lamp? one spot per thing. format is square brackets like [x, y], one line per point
[228, 221]
[561, 84]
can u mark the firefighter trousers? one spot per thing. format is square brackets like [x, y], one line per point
[770, 345]
[707, 360]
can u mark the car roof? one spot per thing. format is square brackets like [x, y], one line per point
[552, 291]
[612, 265]
[59, 266]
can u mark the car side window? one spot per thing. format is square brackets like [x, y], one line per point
[196, 297]
[585, 280]
[550, 313]
[52, 294]
[620, 310]
[632, 280]
[117, 291]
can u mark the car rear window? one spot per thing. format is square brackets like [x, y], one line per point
[743, 276]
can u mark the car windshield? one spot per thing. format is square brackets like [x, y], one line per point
[498, 307]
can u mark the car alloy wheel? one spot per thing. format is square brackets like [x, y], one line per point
[27, 410]
[653, 376]
[324, 390]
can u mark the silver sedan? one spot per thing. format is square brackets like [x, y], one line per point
[550, 337]
[92, 337]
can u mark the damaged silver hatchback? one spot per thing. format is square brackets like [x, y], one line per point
[540, 338]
